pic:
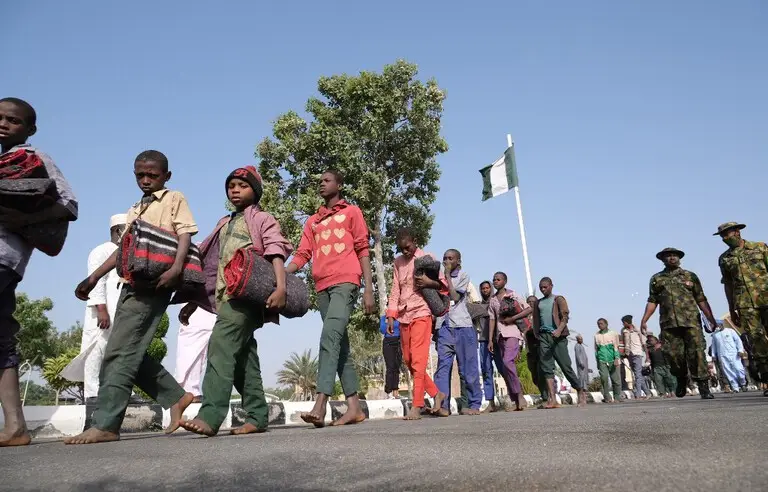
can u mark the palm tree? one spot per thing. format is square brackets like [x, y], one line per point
[300, 373]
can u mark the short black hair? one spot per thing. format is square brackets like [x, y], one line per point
[404, 233]
[30, 115]
[458, 253]
[546, 280]
[627, 318]
[502, 274]
[485, 282]
[603, 319]
[336, 175]
[154, 156]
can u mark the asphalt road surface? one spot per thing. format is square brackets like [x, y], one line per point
[660, 445]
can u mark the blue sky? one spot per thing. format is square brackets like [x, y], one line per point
[637, 126]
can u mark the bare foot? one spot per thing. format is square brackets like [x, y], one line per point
[177, 412]
[439, 398]
[490, 409]
[441, 412]
[247, 428]
[198, 426]
[349, 418]
[316, 417]
[413, 414]
[551, 405]
[19, 438]
[582, 398]
[93, 436]
[470, 411]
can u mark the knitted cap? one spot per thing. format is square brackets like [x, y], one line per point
[250, 175]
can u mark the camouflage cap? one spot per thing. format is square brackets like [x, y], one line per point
[664, 251]
[728, 226]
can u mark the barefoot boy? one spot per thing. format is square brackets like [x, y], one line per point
[17, 124]
[139, 311]
[408, 306]
[233, 358]
[457, 339]
[336, 240]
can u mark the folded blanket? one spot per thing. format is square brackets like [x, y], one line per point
[34, 195]
[147, 251]
[250, 277]
[22, 164]
[477, 310]
[438, 302]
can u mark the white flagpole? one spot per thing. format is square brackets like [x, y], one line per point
[522, 231]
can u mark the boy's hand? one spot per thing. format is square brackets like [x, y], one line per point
[186, 312]
[490, 347]
[390, 326]
[169, 279]
[102, 317]
[368, 301]
[447, 269]
[276, 301]
[84, 288]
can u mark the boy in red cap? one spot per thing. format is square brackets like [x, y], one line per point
[233, 358]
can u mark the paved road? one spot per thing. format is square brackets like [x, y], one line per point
[672, 445]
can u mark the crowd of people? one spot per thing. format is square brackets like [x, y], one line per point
[427, 303]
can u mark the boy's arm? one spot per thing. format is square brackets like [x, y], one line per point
[276, 300]
[394, 294]
[304, 252]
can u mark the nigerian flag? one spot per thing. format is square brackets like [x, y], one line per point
[501, 176]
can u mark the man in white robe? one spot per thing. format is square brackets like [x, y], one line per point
[728, 349]
[99, 315]
[192, 351]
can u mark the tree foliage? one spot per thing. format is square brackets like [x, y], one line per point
[300, 373]
[524, 374]
[382, 131]
[37, 338]
[52, 374]
[36, 394]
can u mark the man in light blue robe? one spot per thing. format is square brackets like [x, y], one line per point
[728, 350]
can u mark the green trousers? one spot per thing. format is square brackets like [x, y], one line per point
[665, 381]
[534, 366]
[610, 378]
[683, 348]
[233, 360]
[126, 361]
[336, 304]
[553, 350]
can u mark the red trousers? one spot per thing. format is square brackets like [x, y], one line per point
[416, 339]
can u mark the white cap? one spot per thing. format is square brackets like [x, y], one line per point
[118, 220]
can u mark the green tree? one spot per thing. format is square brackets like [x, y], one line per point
[526, 379]
[300, 373]
[69, 340]
[52, 374]
[282, 393]
[36, 394]
[595, 386]
[37, 338]
[382, 131]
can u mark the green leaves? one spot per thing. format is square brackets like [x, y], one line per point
[382, 132]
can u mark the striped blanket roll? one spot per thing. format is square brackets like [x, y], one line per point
[250, 277]
[147, 251]
[22, 164]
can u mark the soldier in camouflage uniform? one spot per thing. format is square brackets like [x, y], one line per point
[745, 277]
[680, 295]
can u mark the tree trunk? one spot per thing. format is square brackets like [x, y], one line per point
[378, 258]
[57, 398]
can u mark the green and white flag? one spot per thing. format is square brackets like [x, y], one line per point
[501, 176]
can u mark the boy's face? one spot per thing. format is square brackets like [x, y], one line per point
[240, 193]
[328, 186]
[499, 282]
[602, 325]
[485, 290]
[14, 129]
[451, 260]
[150, 176]
[407, 247]
[545, 288]
[532, 301]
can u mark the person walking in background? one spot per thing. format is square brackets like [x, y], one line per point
[532, 354]
[487, 358]
[582, 363]
[99, 315]
[727, 353]
[550, 320]
[393, 357]
[505, 310]
[192, 351]
[744, 267]
[608, 361]
[681, 296]
[634, 343]
[662, 377]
